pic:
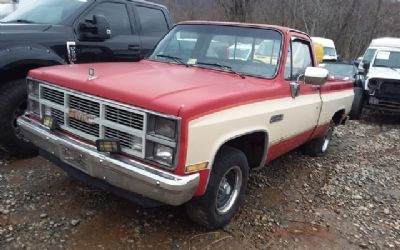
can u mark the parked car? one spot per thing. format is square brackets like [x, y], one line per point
[52, 32]
[347, 71]
[330, 53]
[381, 67]
[186, 128]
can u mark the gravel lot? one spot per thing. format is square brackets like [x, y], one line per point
[348, 199]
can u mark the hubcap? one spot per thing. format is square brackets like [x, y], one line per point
[229, 189]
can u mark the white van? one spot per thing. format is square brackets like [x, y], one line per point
[329, 48]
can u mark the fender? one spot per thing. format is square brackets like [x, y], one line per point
[225, 139]
[26, 57]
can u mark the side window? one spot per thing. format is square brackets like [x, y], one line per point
[300, 53]
[153, 21]
[116, 14]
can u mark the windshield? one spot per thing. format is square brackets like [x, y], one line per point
[45, 11]
[340, 69]
[368, 55]
[328, 51]
[248, 51]
[390, 59]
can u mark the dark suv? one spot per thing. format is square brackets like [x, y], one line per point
[53, 32]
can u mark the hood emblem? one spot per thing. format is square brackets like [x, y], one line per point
[91, 74]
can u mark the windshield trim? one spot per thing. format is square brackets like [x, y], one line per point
[279, 64]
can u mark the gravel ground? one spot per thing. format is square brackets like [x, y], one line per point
[348, 199]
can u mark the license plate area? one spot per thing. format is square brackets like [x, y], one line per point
[74, 158]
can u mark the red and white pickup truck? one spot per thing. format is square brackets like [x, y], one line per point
[185, 126]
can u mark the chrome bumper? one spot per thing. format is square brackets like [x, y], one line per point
[118, 171]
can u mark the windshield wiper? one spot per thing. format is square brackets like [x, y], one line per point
[223, 67]
[175, 58]
[20, 21]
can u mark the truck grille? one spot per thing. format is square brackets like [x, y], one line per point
[95, 118]
[390, 89]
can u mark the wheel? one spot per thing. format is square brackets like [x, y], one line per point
[358, 102]
[13, 103]
[225, 191]
[319, 146]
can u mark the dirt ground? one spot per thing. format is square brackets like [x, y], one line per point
[348, 199]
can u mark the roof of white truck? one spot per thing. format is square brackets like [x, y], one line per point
[386, 42]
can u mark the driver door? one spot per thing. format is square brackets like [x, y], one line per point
[124, 44]
[304, 106]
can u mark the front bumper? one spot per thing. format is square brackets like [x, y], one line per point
[119, 171]
[384, 105]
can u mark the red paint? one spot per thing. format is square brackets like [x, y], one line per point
[187, 92]
[287, 145]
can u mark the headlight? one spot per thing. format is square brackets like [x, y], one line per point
[163, 154]
[162, 139]
[33, 88]
[165, 127]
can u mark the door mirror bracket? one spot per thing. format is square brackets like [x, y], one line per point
[295, 87]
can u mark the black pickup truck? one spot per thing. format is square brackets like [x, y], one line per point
[53, 32]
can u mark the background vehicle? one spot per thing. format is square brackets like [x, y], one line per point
[51, 32]
[348, 71]
[381, 67]
[192, 123]
[329, 48]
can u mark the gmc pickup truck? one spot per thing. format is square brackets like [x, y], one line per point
[187, 125]
[53, 32]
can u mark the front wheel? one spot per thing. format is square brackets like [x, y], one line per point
[13, 103]
[225, 192]
[319, 146]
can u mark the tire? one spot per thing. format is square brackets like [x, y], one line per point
[13, 103]
[319, 146]
[358, 102]
[216, 207]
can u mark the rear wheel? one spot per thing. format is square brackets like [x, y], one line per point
[225, 192]
[319, 146]
[358, 102]
[13, 103]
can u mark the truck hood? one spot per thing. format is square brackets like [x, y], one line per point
[384, 73]
[162, 87]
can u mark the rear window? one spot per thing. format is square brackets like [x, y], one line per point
[153, 21]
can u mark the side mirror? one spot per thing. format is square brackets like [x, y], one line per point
[315, 76]
[97, 29]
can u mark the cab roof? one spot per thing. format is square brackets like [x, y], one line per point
[283, 29]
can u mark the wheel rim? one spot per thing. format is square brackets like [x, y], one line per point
[327, 140]
[229, 189]
[17, 113]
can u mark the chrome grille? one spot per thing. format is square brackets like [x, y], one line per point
[84, 105]
[59, 115]
[106, 119]
[53, 95]
[124, 117]
[91, 129]
[126, 140]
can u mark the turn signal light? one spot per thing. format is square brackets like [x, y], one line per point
[196, 167]
[108, 146]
